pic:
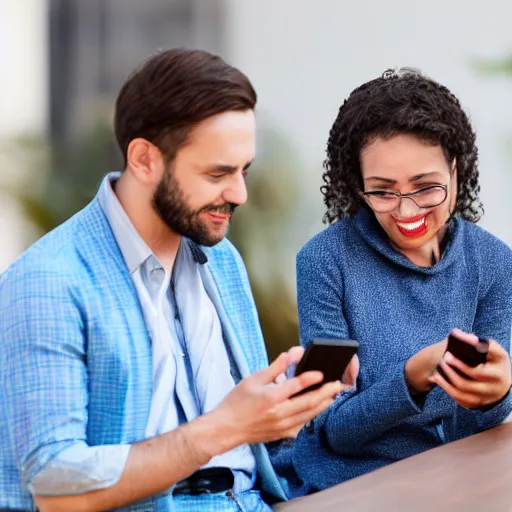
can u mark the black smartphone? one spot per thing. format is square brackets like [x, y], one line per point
[472, 355]
[331, 357]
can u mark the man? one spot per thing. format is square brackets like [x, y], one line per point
[133, 369]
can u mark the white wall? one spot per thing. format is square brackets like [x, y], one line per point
[23, 104]
[305, 57]
[23, 58]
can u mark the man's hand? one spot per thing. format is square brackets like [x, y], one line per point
[422, 365]
[263, 408]
[257, 410]
[485, 385]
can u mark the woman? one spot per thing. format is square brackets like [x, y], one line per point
[401, 266]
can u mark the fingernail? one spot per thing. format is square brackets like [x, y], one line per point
[448, 357]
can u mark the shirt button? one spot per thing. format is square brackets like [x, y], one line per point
[157, 273]
[310, 427]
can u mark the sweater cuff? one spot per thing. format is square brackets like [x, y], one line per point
[417, 401]
[354, 420]
[494, 412]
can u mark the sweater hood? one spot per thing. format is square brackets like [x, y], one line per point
[368, 228]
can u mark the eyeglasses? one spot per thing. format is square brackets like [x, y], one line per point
[384, 202]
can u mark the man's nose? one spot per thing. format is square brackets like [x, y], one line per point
[236, 192]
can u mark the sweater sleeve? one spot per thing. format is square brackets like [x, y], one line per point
[357, 417]
[493, 321]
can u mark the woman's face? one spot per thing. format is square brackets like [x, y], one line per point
[406, 164]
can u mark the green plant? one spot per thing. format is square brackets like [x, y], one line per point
[61, 180]
[261, 231]
[500, 66]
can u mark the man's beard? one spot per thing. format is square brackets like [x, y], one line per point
[170, 204]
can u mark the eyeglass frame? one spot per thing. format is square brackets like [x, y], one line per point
[400, 196]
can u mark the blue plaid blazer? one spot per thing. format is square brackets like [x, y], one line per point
[75, 355]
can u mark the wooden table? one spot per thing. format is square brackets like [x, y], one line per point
[470, 475]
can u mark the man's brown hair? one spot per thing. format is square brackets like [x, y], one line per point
[171, 92]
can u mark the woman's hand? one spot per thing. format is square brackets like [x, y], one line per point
[422, 365]
[483, 385]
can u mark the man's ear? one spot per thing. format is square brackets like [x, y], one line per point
[145, 161]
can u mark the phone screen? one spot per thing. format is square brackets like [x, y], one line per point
[331, 357]
[469, 354]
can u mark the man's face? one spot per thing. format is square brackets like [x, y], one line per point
[204, 184]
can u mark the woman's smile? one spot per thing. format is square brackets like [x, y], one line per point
[412, 227]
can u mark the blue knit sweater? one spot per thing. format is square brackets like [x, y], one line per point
[353, 284]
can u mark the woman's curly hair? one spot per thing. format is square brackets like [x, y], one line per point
[400, 101]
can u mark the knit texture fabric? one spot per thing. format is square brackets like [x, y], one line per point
[353, 284]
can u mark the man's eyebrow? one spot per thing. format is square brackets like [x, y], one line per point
[222, 168]
[228, 169]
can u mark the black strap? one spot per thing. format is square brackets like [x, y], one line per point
[206, 481]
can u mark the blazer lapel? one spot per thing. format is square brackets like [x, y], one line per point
[207, 275]
[101, 254]
[271, 483]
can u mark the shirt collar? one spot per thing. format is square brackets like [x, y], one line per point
[134, 249]
[198, 253]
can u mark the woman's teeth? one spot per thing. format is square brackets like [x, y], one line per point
[412, 225]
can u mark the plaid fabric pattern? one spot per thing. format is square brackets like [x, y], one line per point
[75, 355]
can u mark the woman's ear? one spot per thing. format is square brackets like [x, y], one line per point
[454, 189]
[453, 166]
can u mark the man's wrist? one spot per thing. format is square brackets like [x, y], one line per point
[208, 436]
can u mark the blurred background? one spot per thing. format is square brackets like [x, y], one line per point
[63, 61]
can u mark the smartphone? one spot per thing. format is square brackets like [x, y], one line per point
[331, 357]
[472, 355]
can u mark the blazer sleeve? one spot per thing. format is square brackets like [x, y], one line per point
[43, 365]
